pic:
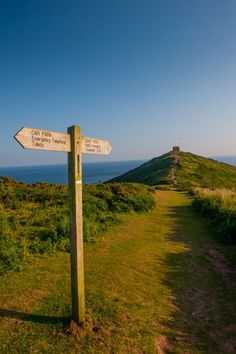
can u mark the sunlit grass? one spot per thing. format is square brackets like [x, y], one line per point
[220, 206]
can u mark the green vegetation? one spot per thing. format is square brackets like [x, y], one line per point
[34, 218]
[157, 283]
[184, 170]
[197, 171]
[155, 171]
[160, 282]
[220, 206]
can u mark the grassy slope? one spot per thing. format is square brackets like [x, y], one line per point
[188, 169]
[155, 171]
[157, 283]
[194, 170]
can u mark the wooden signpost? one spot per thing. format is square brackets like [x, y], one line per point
[75, 145]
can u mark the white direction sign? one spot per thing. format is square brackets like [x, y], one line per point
[38, 139]
[95, 146]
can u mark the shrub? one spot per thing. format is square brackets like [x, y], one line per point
[219, 206]
[13, 251]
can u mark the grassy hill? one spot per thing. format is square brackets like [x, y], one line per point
[183, 169]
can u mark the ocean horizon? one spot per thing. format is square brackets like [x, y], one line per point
[93, 172]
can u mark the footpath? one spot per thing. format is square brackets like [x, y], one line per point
[158, 283]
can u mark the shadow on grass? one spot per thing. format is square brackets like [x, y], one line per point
[32, 317]
[204, 304]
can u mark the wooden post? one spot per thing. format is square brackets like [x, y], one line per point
[76, 225]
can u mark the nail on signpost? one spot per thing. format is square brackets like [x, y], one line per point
[75, 145]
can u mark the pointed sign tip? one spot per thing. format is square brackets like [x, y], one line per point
[17, 137]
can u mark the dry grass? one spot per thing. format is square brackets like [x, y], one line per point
[220, 206]
[226, 196]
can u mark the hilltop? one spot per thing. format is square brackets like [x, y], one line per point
[183, 169]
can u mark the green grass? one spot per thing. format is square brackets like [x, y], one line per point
[156, 283]
[219, 206]
[184, 170]
[34, 218]
[153, 172]
[198, 171]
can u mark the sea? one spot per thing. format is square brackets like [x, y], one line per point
[93, 172]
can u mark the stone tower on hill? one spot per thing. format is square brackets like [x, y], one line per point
[176, 148]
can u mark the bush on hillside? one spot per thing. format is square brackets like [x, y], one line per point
[219, 206]
[13, 250]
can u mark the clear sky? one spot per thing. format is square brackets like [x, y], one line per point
[143, 74]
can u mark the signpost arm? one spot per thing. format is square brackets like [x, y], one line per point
[76, 225]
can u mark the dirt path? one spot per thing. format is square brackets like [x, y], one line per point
[156, 284]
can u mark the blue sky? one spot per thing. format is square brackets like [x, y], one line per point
[144, 75]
